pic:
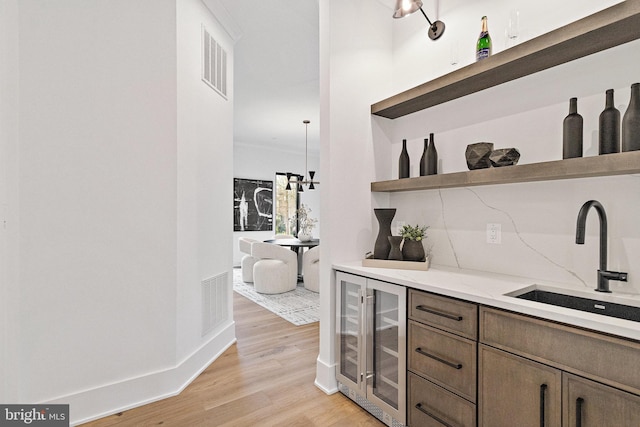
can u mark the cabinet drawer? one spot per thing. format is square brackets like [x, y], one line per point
[446, 359]
[607, 359]
[433, 406]
[455, 316]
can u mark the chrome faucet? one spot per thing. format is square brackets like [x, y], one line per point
[603, 274]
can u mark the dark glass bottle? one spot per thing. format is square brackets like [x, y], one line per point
[432, 157]
[483, 46]
[403, 163]
[572, 132]
[609, 128]
[423, 159]
[631, 121]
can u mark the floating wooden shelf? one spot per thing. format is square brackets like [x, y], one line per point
[611, 27]
[583, 167]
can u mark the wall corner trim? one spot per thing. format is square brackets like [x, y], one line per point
[130, 393]
[326, 377]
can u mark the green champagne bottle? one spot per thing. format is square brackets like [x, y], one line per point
[483, 47]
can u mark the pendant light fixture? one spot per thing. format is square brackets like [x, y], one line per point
[407, 7]
[301, 180]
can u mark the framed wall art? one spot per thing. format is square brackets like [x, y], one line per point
[252, 205]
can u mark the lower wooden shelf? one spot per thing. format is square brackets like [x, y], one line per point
[582, 167]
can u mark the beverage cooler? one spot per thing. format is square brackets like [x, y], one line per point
[371, 345]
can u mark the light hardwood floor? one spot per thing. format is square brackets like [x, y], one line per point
[265, 379]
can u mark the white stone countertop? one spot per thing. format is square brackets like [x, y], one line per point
[490, 289]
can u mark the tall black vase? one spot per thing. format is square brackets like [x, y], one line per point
[609, 129]
[572, 132]
[432, 157]
[423, 159]
[631, 121]
[382, 246]
[403, 163]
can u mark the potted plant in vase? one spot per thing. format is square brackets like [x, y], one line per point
[412, 248]
[306, 223]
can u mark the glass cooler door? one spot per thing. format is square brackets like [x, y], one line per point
[386, 361]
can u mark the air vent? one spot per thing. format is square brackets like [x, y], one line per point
[215, 302]
[214, 64]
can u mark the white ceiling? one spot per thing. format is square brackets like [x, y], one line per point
[276, 70]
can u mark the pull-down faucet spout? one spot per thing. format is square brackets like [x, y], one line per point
[603, 274]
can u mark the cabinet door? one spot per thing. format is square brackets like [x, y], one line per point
[386, 339]
[349, 332]
[591, 404]
[513, 391]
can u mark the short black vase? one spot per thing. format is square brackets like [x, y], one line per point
[631, 121]
[609, 127]
[382, 245]
[572, 132]
[395, 253]
[413, 250]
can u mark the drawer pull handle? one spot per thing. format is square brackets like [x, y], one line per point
[543, 389]
[579, 402]
[429, 414]
[446, 362]
[439, 313]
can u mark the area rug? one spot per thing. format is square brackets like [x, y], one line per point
[299, 306]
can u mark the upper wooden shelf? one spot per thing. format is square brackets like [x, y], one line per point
[611, 27]
[582, 167]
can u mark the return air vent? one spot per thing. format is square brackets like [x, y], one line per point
[215, 302]
[214, 64]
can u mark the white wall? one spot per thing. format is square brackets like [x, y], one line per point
[97, 193]
[538, 219]
[8, 197]
[355, 49]
[119, 171]
[204, 153]
[262, 162]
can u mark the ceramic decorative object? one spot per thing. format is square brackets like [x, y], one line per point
[413, 250]
[432, 157]
[477, 155]
[631, 121]
[504, 157]
[382, 245]
[395, 253]
[403, 162]
[609, 127]
[572, 132]
[423, 159]
[305, 237]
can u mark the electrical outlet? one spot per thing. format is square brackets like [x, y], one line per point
[386, 418]
[494, 233]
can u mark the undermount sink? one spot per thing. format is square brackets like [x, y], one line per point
[598, 306]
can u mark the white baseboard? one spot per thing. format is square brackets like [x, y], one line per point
[326, 377]
[110, 399]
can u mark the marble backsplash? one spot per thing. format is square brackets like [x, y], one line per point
[538, 226]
